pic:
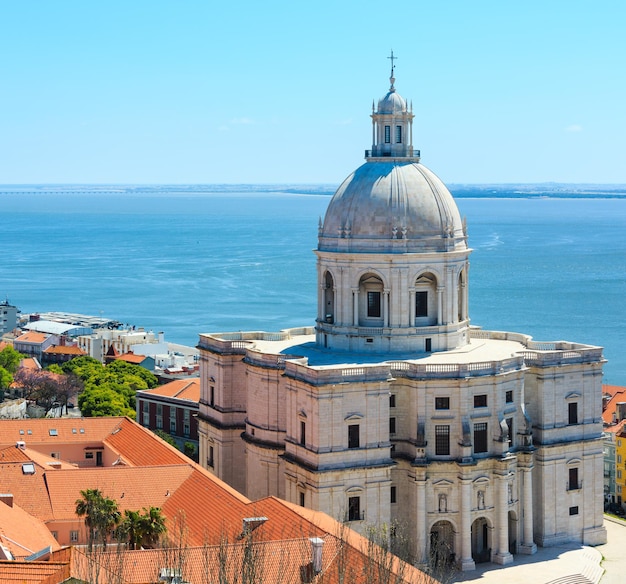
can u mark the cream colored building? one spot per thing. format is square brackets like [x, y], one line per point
[392, 409]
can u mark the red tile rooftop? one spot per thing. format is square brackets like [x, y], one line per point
[31, 337]
[187, 389]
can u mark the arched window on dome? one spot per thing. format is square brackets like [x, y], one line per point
[462, 297]
[371, 301]
[329, 298]
[426, 300]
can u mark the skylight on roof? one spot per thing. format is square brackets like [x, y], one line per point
[73, 430]
[53, 432]
[22, 432]
[29, 431]
[82, 430]
[28, 468]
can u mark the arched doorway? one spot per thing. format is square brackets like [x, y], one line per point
[513, 527]
[481, 541]
[329, 299]
[442, 544]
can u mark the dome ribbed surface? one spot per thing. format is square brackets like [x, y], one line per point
[391, 103]
[395, 206]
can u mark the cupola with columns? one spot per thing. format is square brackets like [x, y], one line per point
[392, 250]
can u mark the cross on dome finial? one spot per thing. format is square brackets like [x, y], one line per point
[392, 78]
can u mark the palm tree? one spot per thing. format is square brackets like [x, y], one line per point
[101, 514]
[132, 528]
[152, 526]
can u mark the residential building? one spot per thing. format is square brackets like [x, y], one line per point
[34, 343]
[46, 463]
[393, 409]
[173, 408]
[8, 316]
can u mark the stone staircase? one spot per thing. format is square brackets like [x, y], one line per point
[591, 571]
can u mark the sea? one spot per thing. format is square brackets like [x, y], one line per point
[547, 260]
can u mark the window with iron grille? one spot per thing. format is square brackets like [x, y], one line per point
[442, 440]
[480, 437]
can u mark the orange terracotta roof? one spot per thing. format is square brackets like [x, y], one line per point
[131, 358]
[140, 447]
[36, 431]
[13, 454]
[34, 572]
[32, 337]
[187, 389]
[28, 489]
[30, 363]
[615, 428]
[617, 394]
[22, 534]
[65, 350]
[130, 487]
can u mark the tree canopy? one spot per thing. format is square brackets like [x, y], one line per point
[109, 390]
[101, 515]
[10, 359]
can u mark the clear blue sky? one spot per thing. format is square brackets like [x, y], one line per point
[202, 91]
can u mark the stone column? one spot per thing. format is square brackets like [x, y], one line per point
[466, 561]
[421, 536]
[355, 306]
[386, 307]
[440, 290]
[411, 306]
[502, 555]
[528, 545]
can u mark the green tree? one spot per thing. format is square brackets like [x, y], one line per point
[6, 379]
[101, 515]
[103, 401]
[10, 359]
[131, 528]
[167, 437]
[189, 448]
[126, 370]
[152, 526]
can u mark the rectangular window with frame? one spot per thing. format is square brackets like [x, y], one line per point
[354, 439]
[373, 304]
[509, 397]
[480, 438]
[619, 458]
[442, 440]
[572, 413]
[442, 403]
[619, 474]
[392, 425]
[421, 303]
[73, 536]
[210, 461]
[393, 494]
[186, 429]
[301, 499]
[392, 400]
[145, 405]
[212, 396]
[573, 479]
[387, 134]
[398, 134]
[302, 432]
[480, 401]
[573, 510]
[354, 509]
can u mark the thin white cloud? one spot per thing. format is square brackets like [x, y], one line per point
[574, 128]
[242, 121]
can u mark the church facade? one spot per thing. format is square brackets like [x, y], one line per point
[392, 409]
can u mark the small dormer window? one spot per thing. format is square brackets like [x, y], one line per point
[398, 134]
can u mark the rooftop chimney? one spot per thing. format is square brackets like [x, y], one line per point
[20, 444]
[317, 544]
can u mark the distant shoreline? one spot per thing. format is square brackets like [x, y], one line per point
[462, 191]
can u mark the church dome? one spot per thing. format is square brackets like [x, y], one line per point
[394, 206]
[392, 103]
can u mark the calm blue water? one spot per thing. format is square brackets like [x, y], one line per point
[191, 262]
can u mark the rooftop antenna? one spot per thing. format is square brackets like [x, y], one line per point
[393, 67]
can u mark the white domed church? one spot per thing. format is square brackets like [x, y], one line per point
[478, 444]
